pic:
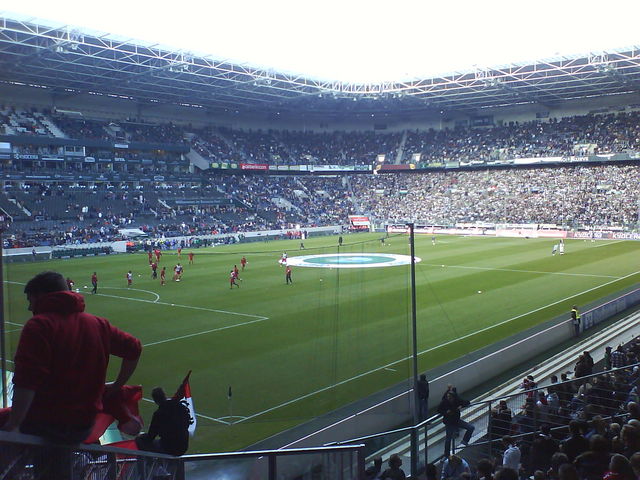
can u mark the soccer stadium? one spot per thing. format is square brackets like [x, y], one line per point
[311, 274]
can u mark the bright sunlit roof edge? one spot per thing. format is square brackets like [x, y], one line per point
[31, 19]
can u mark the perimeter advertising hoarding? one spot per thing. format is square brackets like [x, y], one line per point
[5, 147]
[359, 220]
[406, 166]
[254, 166]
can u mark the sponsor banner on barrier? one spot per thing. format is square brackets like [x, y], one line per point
[329, 168]
[405, 166]
[254, 166]
[120, 145]
[52, 159]
[442, 231]
[530, 233]
[359, 220]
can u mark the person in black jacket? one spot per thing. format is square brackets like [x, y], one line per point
[423, 396]
[170, 423]
[449, 408]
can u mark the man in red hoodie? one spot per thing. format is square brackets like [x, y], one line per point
[61, 363]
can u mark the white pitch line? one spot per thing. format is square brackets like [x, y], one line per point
[522, 271]
[360, 375]
[219, 420]
[205, 332]
[136, 290]
[607, 243]
[259, 317]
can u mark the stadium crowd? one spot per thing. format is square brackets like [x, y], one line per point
[575, 135]
[584, 428]
[600, 195]
[603, 195]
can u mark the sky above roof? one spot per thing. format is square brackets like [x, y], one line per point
[359, 41]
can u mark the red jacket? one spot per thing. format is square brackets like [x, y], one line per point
[63, 355]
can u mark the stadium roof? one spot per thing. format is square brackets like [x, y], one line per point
[72, 62]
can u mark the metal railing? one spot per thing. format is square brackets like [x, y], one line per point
[583, 398]
[26, 457]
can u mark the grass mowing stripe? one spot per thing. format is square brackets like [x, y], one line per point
[387, 366]
[520, 271]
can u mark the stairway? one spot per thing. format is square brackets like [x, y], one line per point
[400, 153]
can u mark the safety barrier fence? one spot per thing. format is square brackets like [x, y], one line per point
[25, 457]
[600, 396]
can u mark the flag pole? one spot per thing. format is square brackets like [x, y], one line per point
[230, 398]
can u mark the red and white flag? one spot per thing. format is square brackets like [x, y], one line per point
[184, 395]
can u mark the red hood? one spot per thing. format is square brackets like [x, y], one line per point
[59, 302]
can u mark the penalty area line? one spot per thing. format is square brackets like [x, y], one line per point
[388, 365]
[192, 307]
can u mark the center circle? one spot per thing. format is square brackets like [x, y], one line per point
[351, 260]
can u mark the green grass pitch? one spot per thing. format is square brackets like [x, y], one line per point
[293, 352]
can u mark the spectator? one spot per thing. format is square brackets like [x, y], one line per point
[423, 396]
[593, 464]
[635, 464]
[543, 447]
[500, 420]
[449, 408]
[630, 440]
[567, 472]
[511, 455]
[431, 472]
[575, 444]
[557, 460]
[374, 470]
[485, 469]
[394, 472]
[454, 467]
[619, 469]
[506, 474]
[170, 423]
[618, 357]
[61, 363]
[607, 358]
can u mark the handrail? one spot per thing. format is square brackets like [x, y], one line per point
[24, 439]
[286, 451]
[437, 416]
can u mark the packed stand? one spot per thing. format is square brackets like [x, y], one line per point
[579, 135]
[600, 195]
[153, 133]
[581, 428]
[82, 128]
[209, 143]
